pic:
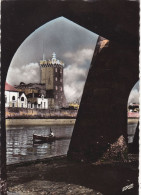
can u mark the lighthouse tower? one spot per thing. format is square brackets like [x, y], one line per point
[52, 77]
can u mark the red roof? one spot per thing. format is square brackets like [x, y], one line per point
[9, 87]
[133, 114]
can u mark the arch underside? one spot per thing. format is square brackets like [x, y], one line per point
[103, 110]
[102, 117]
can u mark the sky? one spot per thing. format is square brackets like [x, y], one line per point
[73, 44]
[134, 94]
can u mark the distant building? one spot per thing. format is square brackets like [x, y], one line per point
[37, 101]
[133, 107]
[52, 77]
[47, 94]
[22, 100]
[31, 88]
[14, 98]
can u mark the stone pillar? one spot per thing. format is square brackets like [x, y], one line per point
[102, 116]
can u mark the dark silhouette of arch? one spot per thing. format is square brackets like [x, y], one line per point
[115, 69]
[102, 116]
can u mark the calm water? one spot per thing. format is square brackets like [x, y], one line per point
[131, 131]
[20, 145]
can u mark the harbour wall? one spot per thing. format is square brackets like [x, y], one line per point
[26, 113]
[18, 122]
[133, 120]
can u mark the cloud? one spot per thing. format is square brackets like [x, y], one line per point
[75, 74]
[134, 96]
[59, 35]
[73, 44]
[28, 73]
[80, 56]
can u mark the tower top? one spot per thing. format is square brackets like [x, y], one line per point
[53, 55]
[53, 61]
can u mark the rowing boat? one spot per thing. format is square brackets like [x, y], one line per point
[43, 138]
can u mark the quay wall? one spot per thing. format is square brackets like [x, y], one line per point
[26, 113]
[10, 122]
[17, 122]
[133, 120]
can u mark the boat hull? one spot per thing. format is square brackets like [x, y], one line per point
[40, 138]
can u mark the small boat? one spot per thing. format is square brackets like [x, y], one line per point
[40, 138]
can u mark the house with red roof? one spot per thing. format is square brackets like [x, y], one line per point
[14, 98]
[17, 98]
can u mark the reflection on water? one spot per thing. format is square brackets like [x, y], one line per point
[20, 145]
[131, 131]
[20, 142]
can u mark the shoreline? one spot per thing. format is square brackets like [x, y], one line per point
[62, 176]
[132, 120]
[17, 122]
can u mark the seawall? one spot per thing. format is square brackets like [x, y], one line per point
[17, 122]
[133, 120]
[10, 122]
[27, 113]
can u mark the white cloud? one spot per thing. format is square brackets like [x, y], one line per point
[134, 96]
[80, 56]
[76, 73]
[29, 73]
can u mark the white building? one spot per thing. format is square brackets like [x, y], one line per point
[11, 96]
[22, 100]
[37, 101]
[42, 102]
[14, 98]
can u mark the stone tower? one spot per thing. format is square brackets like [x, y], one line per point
[52, 77]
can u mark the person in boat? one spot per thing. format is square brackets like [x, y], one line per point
[51, 133]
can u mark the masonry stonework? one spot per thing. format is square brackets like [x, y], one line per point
[52, 77]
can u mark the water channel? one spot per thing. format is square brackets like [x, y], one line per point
[20, 145]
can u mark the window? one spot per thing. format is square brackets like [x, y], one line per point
[56, 79]
[13, 105]
[22, 99]
[55, 69]
[13, 97]
[60, 88]
[61, 80]
[60, 70]
[56, 87]
[56, 96]
[22, 105]
[44, 105]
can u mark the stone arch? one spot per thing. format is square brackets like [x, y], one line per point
[122, 29]
[60, 70]
[102, 117]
